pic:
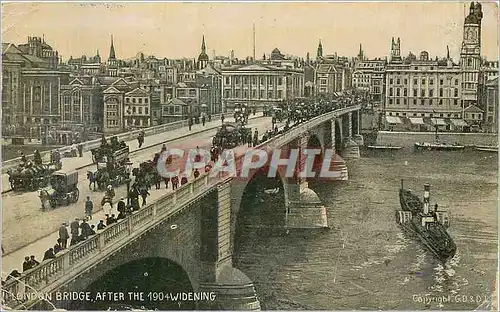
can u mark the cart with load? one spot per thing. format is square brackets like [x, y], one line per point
[63, 190]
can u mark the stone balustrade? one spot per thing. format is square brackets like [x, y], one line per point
[6, 165]
[88, 253]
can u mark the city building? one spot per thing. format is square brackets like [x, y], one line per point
[37, 47]
[422, 92]
[137, 110]
[203, 57]
[260, 85]
[209, 80]
[81, 103]
[174, 110]
[368, 76]
[491, 106]
[86, 65]
[114, 90]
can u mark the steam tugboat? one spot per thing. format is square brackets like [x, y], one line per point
[429, 226]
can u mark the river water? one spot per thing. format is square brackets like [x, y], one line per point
[365, 261]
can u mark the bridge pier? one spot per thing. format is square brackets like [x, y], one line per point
[233, 289]
[304, 208]
[358, 138]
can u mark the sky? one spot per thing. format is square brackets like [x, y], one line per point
[174, 30]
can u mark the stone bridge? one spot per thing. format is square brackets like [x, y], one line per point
[185, 241]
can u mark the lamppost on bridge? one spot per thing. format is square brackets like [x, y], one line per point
[128, 168]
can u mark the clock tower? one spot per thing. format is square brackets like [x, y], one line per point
[470, 54]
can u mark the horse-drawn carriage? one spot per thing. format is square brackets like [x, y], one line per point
[113, 171]
[30, 177]
[241, 113]
[106, 150]
[231, 135]
[146, 173]
[63, 190]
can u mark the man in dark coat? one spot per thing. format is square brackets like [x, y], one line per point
[57, 246]
[121, 205]
[26, 264]
[63, 235]
[49, 254]
[101, 225]
[203, 120]
[89, 206]
[184, 180]
[144, 195]
[86, 231]
[75, 228]
[196, 173]
[33, 261]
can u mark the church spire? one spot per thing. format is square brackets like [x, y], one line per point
[448, 52]
[320, 50]
[112, 55]
[203, 47]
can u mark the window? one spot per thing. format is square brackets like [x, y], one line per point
[280, 81]
[146, 111]
[440, 102]
[390, 92]
[404, 101]
[406, 81]
[397, 114]
[415, 92]
[405, 92]
[473, 116]
[431, 115]
[270, 80]
[236, 80]
[133, 100]
[140, 110]
[280, 94]
[245, 94]
[177, 109]
[397, 101]
[140, 100]
[227, 80]
[227, 93]
[456, 92]
[441, 115]
[261, 94]
[254, 94]
[415, 82]
[456, 82]
[262, 80]
[414, 101]
[431, 81]
[430, 102]
[422, 114]
[423, 81]
[269, 94]
[245, 80]
[440, 82]
[455, 102]
[390, 101]
[431, 92]
[134, 110]
[236, 93]
[422, 93]
[146, 100]
[414, 114]
[254, 80]
[441, 92]
[127, 100]
[422, 102]
[398, 81]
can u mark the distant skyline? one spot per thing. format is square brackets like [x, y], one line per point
[175, 30]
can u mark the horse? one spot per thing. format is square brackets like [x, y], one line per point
[91, 176]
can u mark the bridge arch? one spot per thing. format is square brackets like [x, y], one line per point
[314, 142]
[145, 275]
[262, 203]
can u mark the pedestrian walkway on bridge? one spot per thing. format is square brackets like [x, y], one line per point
[13, 260]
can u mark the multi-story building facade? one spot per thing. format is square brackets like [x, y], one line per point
[81, 103]
[209, 80]
[491, 106]
[30, 87]
[260, 85]
[137, 110]
[368, 76]
[423, 88]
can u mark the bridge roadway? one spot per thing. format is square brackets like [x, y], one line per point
[154, 139]
[22, 211]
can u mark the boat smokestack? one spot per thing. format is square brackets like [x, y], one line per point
[427, 189]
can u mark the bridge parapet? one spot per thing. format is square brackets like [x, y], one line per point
[96, 143]
[53, 274]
